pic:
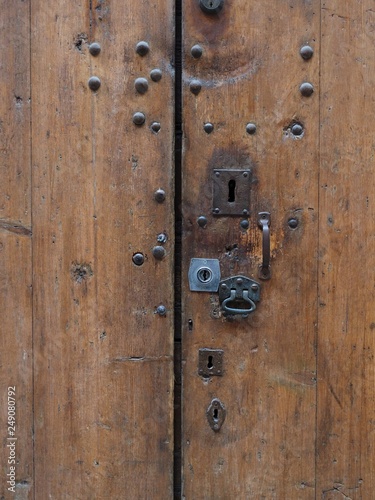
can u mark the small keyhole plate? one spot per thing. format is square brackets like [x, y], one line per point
[204, 275]
[216, 414]
[231, 192]
[211, 362]
[211, 6]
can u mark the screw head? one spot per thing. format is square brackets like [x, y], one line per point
[245, 174]
[211, 6]
[156, 75]
[244, 224]
[158, 252]
[142, 48]
[293, 223]
[306, 89]
[306, 52]
[155, 127]
[208, 128]
[245, 211]
[251, 128]
[141, 85]
[161, 310]
[216, 210]
[297, 129]
[94, 49]
[94, 83]
[162, 238]
[223, 286]
[202, 221]
[138, 259]
[139, 118]
[254, 287]
[195, 86]
[196, 51]
[239, 281]
[159, 195]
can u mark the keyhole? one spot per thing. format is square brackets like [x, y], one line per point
[216, 414]
[211, 4]
[232, 191]
[210, 363]
[204, 275]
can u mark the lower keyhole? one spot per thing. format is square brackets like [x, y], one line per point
[210, 362]
[232, 191]
[216, 414]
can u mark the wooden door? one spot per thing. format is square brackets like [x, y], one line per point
[135, 137]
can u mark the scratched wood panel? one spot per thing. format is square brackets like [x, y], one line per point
[346, 375]
[15, 246]
[103, 357]
[251, 71]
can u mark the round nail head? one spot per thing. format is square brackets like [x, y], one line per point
[139, 118]
[196, 51]
[158, 252]
[162, 238]
[244, 224]
[297, 129]
[251, 128]
[306, 52]
[159, 195]
[138, 259]
[293, 223]
[195, 86]
[141, 85]
[155, 127]
[161, 310]
[211, 6]
[156, 75]
[94, 83]
[208, 128]
[94, 49]
[202, 221]
[142, 48]
[306, 89]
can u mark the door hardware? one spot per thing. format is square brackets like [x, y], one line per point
[210, 362]
[216, 414]
[204, 275]
[211, 6]
[239, 295]
[264, 222]
[231, 194]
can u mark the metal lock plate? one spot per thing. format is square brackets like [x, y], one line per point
[231, 194]
[216, 414]
[210, 362]
[239, 295]
[204, 275]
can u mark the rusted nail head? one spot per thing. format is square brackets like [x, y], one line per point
[155, 127]
[156, 75]
[139, 118]
[142, 48]
[293, 223]
[159, 195]
[141, 85]
[306, 89]
[94, 49]
[158, 252]
[196, 51]
[195, 86]
[94, 83]
[208, 128]
[244, 224]
[306, 52]
[297, 129]
[251, 128]
[202, 221]
[161, 310]
[138, 259]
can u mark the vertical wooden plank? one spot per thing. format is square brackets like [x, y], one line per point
[103, 362]
[15, 252]
[251, 71]
[346, 395]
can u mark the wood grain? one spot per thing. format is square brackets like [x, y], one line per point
[15, 245]
[251, 71]
[346, 395]
[103, 357]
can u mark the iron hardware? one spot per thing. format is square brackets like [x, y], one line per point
[264, 222]
[210, 362]
[204, 275]
[239, 295]
[211, 6]
[216, 414]
[231, 192]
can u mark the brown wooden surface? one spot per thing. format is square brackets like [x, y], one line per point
[15, 243]
[346, 394]
[103, 357]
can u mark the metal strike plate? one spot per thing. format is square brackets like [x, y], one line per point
[239, 295]
[231, 194]
[216, 414]
[204, 275]
[210, 362]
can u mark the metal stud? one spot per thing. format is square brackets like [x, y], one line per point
[155, 127]
[306, 52]
[142, 48]
[196, 51]
[94, 49]
[138, 259]
[158, 252]
[94, 83]
[202, 221]
[161, 310]
[141, 85]
[293, 223]
[156, 75]
[297, 129]
[139, 118]
[162, 238]
[195, 86]
[159, 195]
[244, 224]
[306, 89]
[208, 128]
[251, 128]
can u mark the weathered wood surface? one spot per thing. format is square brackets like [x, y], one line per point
[103, 357]
[15, 245]
[346, 389]
[251, 71]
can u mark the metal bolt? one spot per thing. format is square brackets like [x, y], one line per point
[216, 210]
[94, 83]
[158, 252]
[239, 281]
[162, 238]
[293, 223]
[244, 224]
[159, 195]
[139, 118]
[245, 174]
[297, 129]
[306, 52]
[245, 211]
[156, 75]
[251, 128]
[155, 127]
[196, 51]
[142, 48]
[211, 6]
[138, 259]
[202, 221]
[254, 287]
[223, 286]
[94, 49]
[195, 86]
[208, 128]
[306, 89]
[161, 310]
[141, 85]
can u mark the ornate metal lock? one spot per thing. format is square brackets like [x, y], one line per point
[239, 295]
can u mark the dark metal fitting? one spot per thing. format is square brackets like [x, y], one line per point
[293, 223]
[162, 238]
[159, 195]
[94, 49]
[306, 89]
[202, 221]
[142, 48]
[141, 85]
[158, 252]
[156, 75]
[161, 310]
[244, 224]
[306, 52]
[211, 6]
[155, 127]
[297, 129]
[208, 128]
[138, 259]
[251, 128]
[195, 86]
[139, 118]
[94, 83]
[196, 51]
[216, 210]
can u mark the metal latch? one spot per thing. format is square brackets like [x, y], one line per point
[239, 295]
